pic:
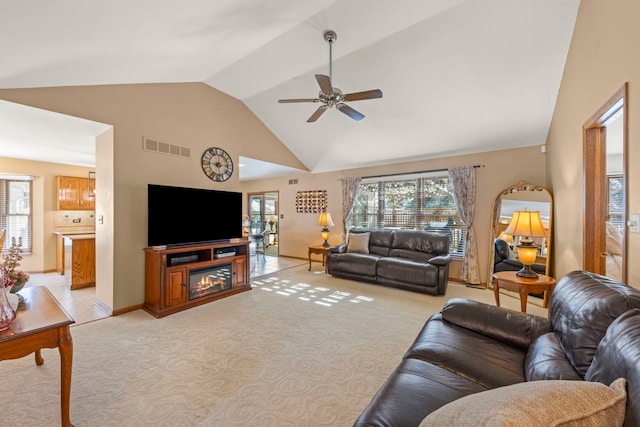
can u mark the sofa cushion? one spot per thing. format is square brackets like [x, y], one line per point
[618, 355]
[486, 361]
[354, 263]
[582, 308]
[537, 403]
[407, 271]
[379, 239]
[418, 245]
[414, 389]
[546, 361]
[359, 243]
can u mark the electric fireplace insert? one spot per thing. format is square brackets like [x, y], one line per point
[209, 280]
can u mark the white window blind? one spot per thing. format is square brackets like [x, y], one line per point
[15, 209]
[421, 201]
[615, 205]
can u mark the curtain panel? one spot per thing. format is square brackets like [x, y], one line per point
[349, 191]
[464, 187]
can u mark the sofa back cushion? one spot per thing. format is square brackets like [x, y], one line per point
[618, 355]
[379, 240]
[418, 245]
[582, 307]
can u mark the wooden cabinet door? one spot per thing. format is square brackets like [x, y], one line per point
[68, 197]
[86, 187]
[239, 271]
[176, 285]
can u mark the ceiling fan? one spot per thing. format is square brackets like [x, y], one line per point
[332, 96]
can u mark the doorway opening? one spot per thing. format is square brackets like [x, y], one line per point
[263, 217]
[605, 171]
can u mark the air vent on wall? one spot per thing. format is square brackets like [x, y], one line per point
[149, 144]
[293, 181]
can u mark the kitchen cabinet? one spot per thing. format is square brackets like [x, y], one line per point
[80, 260]
[73, 193]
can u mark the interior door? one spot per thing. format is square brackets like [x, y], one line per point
[605, 197]
[256, 212]
[263, 213]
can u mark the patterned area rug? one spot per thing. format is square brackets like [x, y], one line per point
[300, 349]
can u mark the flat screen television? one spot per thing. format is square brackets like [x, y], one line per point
[179, 216]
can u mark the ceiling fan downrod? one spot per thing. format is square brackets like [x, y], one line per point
[330, 37]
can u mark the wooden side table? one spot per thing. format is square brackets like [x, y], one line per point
[321, 250]
[512, 282]
[42, 324]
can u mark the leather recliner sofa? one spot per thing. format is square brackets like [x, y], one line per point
[592, 334]
[409, 259]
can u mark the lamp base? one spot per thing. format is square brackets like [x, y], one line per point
[527, 272]
[325, 236]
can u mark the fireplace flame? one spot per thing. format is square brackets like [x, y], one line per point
[207, 282]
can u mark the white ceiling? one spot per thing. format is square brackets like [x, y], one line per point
[458, 76]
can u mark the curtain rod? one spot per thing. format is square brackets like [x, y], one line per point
[409, 173]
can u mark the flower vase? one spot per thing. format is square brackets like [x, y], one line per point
[7, 314]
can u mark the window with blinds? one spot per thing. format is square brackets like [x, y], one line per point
[15, 210]
[423, 201]
[615, 201]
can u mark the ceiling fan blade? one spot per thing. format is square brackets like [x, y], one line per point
[367, 94]
[325, 84]
[355, 115]
[317, 114]
[287, 101]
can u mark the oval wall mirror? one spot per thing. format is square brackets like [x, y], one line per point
[519, 197]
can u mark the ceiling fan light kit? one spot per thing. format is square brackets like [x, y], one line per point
[332, 96]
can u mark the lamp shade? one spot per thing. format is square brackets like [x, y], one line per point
[325, 219]
[526, 223]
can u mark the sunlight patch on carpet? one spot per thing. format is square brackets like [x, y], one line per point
[305, 292]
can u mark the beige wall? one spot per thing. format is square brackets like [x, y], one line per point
[501, 169]
[43, 256]
[197, 116]
[187, 114]
[603, 56]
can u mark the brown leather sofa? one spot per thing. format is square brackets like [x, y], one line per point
[592, 334]
[408, 259]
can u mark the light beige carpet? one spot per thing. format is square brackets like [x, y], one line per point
[300, 349]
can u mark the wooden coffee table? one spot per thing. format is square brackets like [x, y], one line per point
[512, 282]
[41, 323]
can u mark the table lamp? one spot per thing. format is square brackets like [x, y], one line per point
[526, 224]
[325, 221]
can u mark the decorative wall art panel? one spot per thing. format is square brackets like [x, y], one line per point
[314, 201]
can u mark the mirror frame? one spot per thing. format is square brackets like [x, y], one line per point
[518, 187]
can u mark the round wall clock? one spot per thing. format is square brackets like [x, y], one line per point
[217, 164]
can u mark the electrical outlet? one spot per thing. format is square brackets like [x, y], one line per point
[634, 223]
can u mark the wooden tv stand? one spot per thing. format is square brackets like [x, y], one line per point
[167, 272]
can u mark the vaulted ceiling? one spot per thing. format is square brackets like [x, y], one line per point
[458, 76]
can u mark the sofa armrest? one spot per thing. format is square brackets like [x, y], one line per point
[440, 260]
[340, 249]
[511, 327]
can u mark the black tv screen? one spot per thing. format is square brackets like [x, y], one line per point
[184, 216]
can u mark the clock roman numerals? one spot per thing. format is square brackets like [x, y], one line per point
[217, 164]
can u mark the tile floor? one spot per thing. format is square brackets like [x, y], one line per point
[81, 304]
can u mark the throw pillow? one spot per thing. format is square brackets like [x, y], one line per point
[358, 242]
[537, 403]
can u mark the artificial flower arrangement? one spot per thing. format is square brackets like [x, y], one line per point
[14, 279]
